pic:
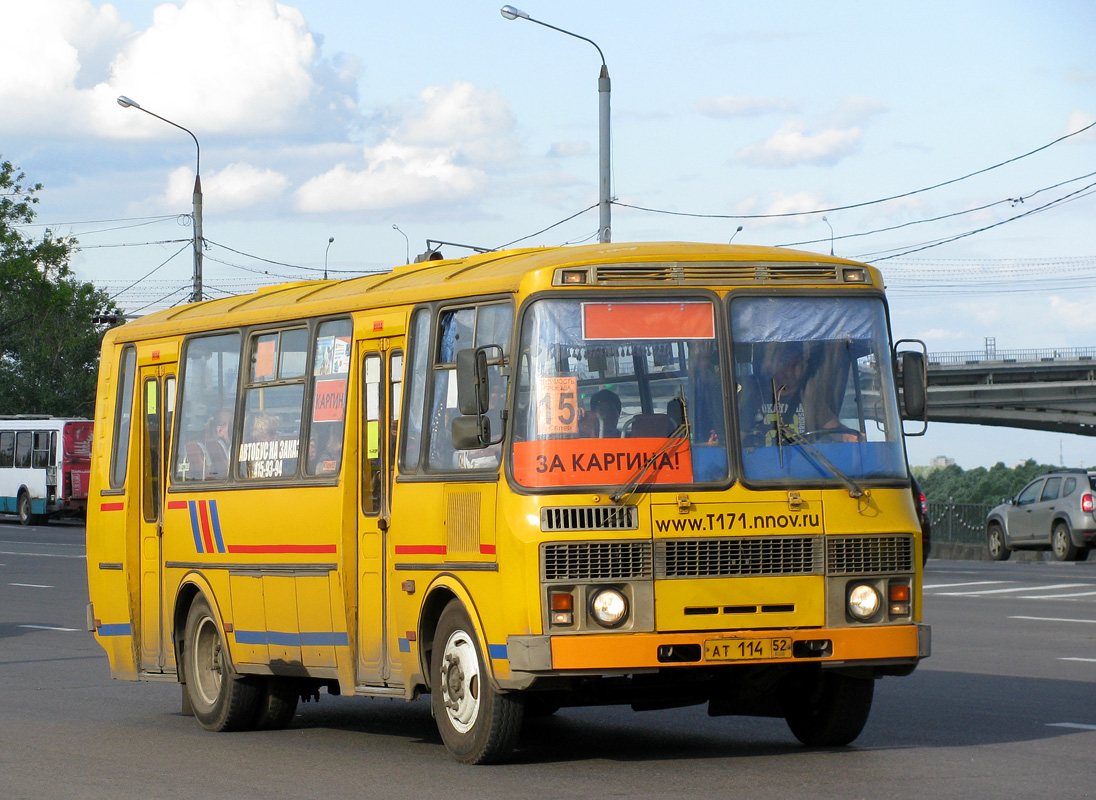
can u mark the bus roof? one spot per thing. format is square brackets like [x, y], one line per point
[493, 272]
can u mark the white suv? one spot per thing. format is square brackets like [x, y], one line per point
[1056, 511]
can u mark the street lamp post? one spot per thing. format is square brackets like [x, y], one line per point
[196, 294]
[330, 241]
[603, 88]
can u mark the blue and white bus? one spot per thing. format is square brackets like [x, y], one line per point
[44, 467]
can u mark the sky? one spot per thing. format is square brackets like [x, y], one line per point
[383, 125]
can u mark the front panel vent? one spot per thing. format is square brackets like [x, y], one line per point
[589, 518]
[739, 557]
[596, 561]
[869, 555]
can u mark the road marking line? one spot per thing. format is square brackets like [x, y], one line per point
[953, 585]
[1056, 596]
[1076, 725]
[1057, 619]
[48, 628]
[43, 555]
[1068, 658]
[31, 585]
[1014, 589]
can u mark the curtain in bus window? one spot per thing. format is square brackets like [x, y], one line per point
[330, 372]
[119, 456]
[416, 396]
[208, 386]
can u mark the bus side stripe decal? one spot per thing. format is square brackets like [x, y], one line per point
[290, 639]
[207, 537]
[216, 526]
[497, 651]
[194, 526]
[117, 629]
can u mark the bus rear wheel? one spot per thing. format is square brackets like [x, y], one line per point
[220, 699]
[828, 709]
[477, 723]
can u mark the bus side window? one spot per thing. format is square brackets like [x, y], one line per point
[207, 402]
[7, 449]
[372, 454]
[416, 398]
[123, 402]
[24, 441]
[330, 372]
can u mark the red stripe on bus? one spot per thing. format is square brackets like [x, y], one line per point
[282, 548]
[207, 532]
[175, 505]
[112, 506]
[420, 549]
[487, 549]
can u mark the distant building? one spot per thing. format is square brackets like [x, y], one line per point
[941, 461]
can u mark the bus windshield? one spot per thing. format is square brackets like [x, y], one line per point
[815, 391]
[619, 391]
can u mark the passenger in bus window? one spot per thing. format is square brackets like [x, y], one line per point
[777, 391]
[603, 417]
[218, 444]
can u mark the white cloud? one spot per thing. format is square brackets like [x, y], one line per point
[1079, 120]
[239, 185]
[437, 154]
[791, 146]
[1074, 316]
[568, 149]
[243, 67]
[742, 106]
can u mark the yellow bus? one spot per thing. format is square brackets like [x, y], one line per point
[653, 474]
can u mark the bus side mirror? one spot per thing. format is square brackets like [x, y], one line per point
[914, 385]
[471, 432]
[473, 390]
[913, 366]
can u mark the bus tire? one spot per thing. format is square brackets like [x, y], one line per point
[22, 508]
[220, 699]
[277, 703]
[477, 723]
[828, 709]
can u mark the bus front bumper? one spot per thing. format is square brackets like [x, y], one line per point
[867, 646]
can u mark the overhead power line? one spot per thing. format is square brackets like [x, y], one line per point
[862, 204]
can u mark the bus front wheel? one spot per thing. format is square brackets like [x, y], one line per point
[220, 699]
[828, 709]
[478, 724]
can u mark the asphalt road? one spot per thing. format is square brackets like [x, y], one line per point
[1005, 708]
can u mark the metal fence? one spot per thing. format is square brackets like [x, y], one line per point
[958, 523]
[1010, 356]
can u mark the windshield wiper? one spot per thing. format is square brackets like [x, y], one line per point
[676, 437]
[785, 431]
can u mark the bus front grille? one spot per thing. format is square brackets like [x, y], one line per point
[739, 557]
[589, 518]
[867, 555]
[596, 561]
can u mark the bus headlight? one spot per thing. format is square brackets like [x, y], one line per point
[863, 602]
[608, 607]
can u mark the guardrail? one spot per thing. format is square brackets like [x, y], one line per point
[1009, 356]
[958, 523]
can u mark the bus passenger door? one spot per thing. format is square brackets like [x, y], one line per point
[157, 395]
[381, 371]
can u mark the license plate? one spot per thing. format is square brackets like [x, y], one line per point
[746, 649]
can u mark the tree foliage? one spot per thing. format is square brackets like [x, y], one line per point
[49, 341]
[978, 485]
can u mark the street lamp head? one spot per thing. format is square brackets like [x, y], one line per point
[513, 13]
[329, 241]
[125, 102]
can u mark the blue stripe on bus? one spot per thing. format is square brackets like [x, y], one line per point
[289, 639]
[497, 651]
[117, 629]
[216, 526]
[405, 645]
[194, 526]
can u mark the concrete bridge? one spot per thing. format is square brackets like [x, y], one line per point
[1051, 389]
